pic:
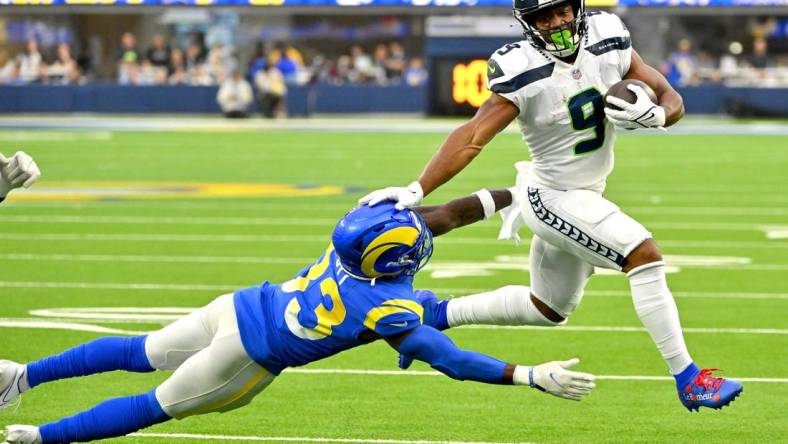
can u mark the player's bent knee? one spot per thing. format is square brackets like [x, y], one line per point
[645, 253]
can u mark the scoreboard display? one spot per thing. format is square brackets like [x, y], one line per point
[458, 85]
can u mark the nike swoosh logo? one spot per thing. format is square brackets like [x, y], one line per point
[399, 324]
[491, 68]
[559, 384]
[4, 400]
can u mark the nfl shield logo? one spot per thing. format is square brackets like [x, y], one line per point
[576, 74]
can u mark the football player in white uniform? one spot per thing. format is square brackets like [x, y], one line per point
[18, 171]
[553, 84]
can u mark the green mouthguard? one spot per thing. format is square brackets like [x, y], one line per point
[563, 38]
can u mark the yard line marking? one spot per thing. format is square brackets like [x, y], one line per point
[156, 220]
[438, 269]
[166, 259]
[625, 329]
[284, 221]
[53, 136]
[53, 324]
[460, 291]
[321, 239]
[434, 373]
[304, 439]
[119, 286]
[341, 208]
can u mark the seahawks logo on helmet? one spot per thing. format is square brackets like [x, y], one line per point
[561, 41]
[377, 241]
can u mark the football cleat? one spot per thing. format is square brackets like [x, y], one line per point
[11, 375]
[22, 434]
[706, 390]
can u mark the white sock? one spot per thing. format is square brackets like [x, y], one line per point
[510, 305]
[657, 310]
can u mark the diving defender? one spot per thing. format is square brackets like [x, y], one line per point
[360, 290]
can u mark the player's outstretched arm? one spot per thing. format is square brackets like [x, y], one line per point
[18, 171]
[457, 151]
[441, 219]
[435, 348]
[667, 97]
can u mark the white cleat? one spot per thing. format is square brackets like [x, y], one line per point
[22, 434]
[11, 375]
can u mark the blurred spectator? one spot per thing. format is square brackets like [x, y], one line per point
[760, 57]
[380, 57]
[178, 74]
[362, 64]
[8, 70]
[64, 69]
[679, 69]
[395, 63]
[287, 60]
[195, 56]
[272, 91]
[415, 75]
[29, 63]
[150, 74]
[220, 63]
[158, 52]
[258, 61]
[85, 61]
[127, 58]
[235, 96]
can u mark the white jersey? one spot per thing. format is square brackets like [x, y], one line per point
[561, 110]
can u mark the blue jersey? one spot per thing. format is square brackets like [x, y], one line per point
[321, 312]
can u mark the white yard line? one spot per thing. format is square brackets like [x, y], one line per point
[456, 291]
[323, 239]
[303, 439]
[109, 258]
[340, 208]
[289, 221]
[272, 260]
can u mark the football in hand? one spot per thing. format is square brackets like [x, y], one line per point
[621, 91]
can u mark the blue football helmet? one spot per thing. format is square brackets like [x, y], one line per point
[378, 241]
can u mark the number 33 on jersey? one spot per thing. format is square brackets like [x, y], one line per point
[321, 312]
[561, 110]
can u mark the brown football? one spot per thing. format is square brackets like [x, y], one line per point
[620, 90]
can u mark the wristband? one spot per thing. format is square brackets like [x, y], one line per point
[488, 203]
[523, 375]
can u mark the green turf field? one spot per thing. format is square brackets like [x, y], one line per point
[716, 204]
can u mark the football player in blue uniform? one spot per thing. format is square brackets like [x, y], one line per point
[358, 291]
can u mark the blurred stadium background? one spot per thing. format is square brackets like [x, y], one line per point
[353, 56]
[152, 203]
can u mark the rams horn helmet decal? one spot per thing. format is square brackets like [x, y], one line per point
[377, 241]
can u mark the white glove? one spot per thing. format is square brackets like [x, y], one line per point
[554, 378]
[642, 114]
[20, 170]
[406, 197]
[22, 434]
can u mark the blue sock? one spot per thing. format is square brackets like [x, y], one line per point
[434, 309]
[116, 417]
[440, 318]
[102, 355]
[686, 376]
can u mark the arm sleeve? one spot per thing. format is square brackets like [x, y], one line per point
[433, 347]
